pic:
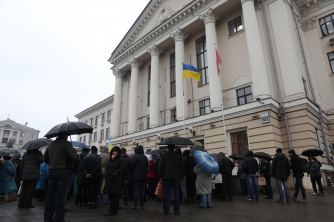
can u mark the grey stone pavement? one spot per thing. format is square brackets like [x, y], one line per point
[317, 209]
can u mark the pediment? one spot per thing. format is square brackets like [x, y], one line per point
[155, 13]
[13, 124]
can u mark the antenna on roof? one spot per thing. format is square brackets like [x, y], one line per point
[8, 116]
[26, 123]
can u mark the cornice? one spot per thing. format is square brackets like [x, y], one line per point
[308, 24]
[165, 28]
[97, 106]
[307, 7]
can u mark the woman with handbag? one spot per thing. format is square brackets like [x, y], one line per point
[265, 172]
[113, 176]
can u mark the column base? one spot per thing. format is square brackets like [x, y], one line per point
[153, 126]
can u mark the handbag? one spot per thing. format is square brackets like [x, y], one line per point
[20, 189]
[159, 191]
[261, 181]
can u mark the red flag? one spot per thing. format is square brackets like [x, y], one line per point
[218, 62]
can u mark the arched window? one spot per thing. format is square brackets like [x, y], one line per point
[7, 126]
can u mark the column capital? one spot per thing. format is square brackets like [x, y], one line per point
[135, 63]
[308, 24]
[179, 35]
[243, 1]
[117, 73]
[154, 50]
[209, 17]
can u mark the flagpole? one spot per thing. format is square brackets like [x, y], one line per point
[184, 115]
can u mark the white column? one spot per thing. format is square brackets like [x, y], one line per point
[155, 87]
[209, 19]
[255, 51]
[133, 100]
[286, 50]
[116, 114]
[181, 106]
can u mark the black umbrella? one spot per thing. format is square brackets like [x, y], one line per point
[154, 152]
[5, 151]
[194, 148]
[175, 140]
[312, 152]
[72, 128]
[236, 156]
[263, 155]
[15, 155]
[36, 144]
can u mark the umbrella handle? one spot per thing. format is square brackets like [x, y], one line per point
[68, 130]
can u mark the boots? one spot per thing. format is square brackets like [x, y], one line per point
[303, 200]
[321, 193]
[125, 201]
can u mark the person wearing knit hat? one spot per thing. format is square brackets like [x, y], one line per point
[280, 171]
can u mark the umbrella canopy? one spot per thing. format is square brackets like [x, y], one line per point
[175, 140]
[194, 148]
[312, 152]
[214, 156]
[72, 128]
[36, 144]
[236, 156]
[206, 162]
[79, 145]
[5, 151]
[155, 152]
[15, 155]
[263, 155]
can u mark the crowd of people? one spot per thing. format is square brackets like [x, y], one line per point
[115, 176]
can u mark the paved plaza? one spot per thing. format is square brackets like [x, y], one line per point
[319, 209]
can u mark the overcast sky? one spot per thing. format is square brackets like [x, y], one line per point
[53, 56]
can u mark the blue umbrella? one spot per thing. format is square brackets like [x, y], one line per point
[80, 145]
[206, 162]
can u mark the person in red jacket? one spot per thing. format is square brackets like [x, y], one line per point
[152, 179]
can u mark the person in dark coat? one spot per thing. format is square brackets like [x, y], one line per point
[91, 171]
[191, 177]
[29, 168]
[250, 167]
[298, 174]
[170, 168]
[139, 166]
[315, 175]
[242, 177]
[183, 179]
[126, 176]
[225, 168]
[113, 175]
[81, 195]
[280, 169]
[266, 173]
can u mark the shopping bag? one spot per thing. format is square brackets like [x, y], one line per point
[261, 181]
[159, 191]
[20, 190]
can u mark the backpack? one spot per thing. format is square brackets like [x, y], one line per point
[303, 165]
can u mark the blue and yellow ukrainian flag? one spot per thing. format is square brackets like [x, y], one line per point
[109, 144]
[190, 71]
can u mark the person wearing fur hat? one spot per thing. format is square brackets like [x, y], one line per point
[280, 169]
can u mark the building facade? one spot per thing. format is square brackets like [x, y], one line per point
[276, 76]
[97, 116]
[20, 134]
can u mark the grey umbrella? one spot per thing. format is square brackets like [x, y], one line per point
[175, 140]
[5, 151]
[36, 144]
[263, 155]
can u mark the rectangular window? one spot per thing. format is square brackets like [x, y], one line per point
[5, 140]
[91, 121]
[22, 134]
[239, 142]
[102, 135]
[235, 26]
[21, 142]
[14, 141]
[103, 117]
[6, 133]
[90, 138]
[84, 139]
[107, 133]
[244, 95]
[32, 135]
[86, 122]
[173, 115]
[109, 115]
[96, 120]
[14, 133]
[80, 140]
[305, 87]
[95, 136]
[326, 25]
[149, 86]
[202, 60]
[331, 60]
[319, 138]
[148, 122]
[204, 107]
[172, 75]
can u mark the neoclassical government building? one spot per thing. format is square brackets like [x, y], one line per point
[276, 76]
